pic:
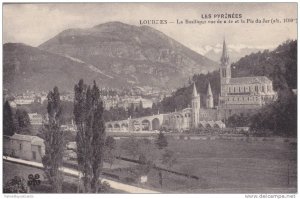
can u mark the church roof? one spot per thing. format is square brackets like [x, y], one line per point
[195, 93]
[224, 57]
[209, 93]
[250, 80]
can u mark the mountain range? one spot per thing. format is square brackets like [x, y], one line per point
[236, 52]
[114, 54]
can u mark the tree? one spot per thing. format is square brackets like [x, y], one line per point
[169, 158]
[279, 117]
[110, 143]
[148, 154]
[110, 146]
[90, 137]
[8, 121]
[161, 141]
[23, 125]
[238, 121]
[54, 142]
[154, 108]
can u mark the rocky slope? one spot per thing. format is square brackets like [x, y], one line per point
[114, 54]
[139, 55]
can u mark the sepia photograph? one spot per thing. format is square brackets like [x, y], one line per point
[155, 98]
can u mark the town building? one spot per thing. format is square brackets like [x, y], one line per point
[26, 147]
[125, 102]
[24, 100]
[69, 127]
[35, 119]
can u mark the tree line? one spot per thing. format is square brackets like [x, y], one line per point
[90, 137]
[15, 121]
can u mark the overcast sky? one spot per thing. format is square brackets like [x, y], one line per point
[34, 24]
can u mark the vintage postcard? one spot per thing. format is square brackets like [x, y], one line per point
[150, 98]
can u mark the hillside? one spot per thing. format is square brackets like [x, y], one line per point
[139, 55]
[280, 65]
[29, 68]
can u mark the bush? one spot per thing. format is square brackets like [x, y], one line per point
[104, 187]
[129, 180]
[16, 185]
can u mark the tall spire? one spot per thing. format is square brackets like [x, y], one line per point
[209, 97]
[225, 57]
[209, 93]
[195, 93]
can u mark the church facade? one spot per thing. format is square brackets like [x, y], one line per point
[242, 95]
[206, 116]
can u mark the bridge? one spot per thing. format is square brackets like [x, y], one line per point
[141, 124]
[180, 120]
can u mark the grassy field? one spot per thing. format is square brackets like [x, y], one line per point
[223, 166]
[230, 166]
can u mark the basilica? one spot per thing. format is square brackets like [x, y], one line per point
[242, 96]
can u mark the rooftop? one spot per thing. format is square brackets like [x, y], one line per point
[29, 138]
[250, 80]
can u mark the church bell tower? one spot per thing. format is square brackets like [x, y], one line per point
[195, 107]
[225, 70]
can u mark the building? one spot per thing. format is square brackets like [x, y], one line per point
[192, 117]
[126, 102]
[24, 100]
[35, 119]
[69, 127]
[26, 147]
[12, 104]
[242, 95]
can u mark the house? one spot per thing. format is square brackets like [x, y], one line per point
[25, 147]
[24, 100]
[36, 119]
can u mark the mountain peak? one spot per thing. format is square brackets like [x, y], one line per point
[114, 24]
[137, 55]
